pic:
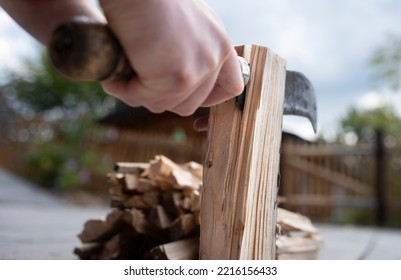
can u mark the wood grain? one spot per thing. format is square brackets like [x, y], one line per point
[239, 194]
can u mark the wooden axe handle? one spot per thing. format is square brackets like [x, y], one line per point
[85, 50]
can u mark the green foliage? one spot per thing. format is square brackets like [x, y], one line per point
[60, 156]
[358, 217]
[360, 125]
[386, 60]
[363, 123]
[66, 161]
[38, 88]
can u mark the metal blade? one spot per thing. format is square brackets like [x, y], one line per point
[300, 99]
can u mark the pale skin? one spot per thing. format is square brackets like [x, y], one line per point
[179, 48]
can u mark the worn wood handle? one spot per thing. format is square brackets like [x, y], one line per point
[85, 50]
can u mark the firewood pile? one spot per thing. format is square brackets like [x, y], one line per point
[155, 215]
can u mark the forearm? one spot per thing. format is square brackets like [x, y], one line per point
[41, 17]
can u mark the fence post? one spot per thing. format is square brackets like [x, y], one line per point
[380, 180]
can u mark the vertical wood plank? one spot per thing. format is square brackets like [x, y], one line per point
[239, 196]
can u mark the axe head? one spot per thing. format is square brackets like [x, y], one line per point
[300, 99]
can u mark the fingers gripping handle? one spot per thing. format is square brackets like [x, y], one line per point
[84, 50]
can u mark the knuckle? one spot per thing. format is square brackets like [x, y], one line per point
[237, 88]
[155, 110]
[183, 80]
[184, 111]
[130, 100]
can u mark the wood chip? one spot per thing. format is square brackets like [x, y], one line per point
[294, 222]
[130, 167]
[186, 249]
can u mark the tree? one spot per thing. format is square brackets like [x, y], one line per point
[360, 125]
[386, 60]
[68, 112]
[39, 89]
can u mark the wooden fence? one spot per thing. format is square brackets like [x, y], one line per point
[141, 147]
[339, 183]
[110, 146]
[132, 146]
[327, 182]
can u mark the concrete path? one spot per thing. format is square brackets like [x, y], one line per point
[36, 225]
[353, 243]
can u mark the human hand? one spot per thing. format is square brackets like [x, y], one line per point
[180, 52]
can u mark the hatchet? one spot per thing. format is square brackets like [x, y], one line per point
[84, 50]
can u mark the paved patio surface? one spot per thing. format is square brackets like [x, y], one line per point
[353, 243]
[37, 225]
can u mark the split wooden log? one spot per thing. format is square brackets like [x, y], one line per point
[298, 238]
[131, 167]
[239, 194]
[99, 230]
[166, 174]
[298, 247]
[88, 251]
[183, 226]
[290, 221]
[120, 247]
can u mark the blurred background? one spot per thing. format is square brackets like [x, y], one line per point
[65, 136]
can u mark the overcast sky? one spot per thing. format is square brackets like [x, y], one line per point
[329, 41]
